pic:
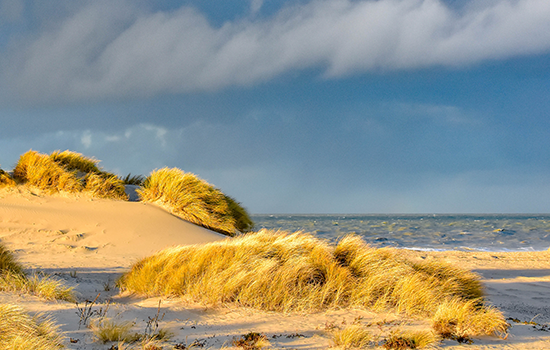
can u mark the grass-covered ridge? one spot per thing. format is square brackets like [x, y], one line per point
[69, 172]
[181, 193]
[298, 272]
[195, 200]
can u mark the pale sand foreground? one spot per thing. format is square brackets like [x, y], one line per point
[89, 243]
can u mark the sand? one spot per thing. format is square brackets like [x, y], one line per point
[88, 243]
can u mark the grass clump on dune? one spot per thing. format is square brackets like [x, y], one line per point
[69, 172]
[18, 330]
[195, 200]
[298, 272]
[13, 279]
[6, 180]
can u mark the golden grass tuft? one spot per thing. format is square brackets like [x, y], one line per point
[41, 171]
[353, 336]
[44, 287]
[18, 330]
[107, 329]
[73, 161]
[8, 262]
[195, 200]
[68, 172]
[105, 186]
[6, 180]
[459, 320]
[280, 271]
[410, 340]
[12, 278]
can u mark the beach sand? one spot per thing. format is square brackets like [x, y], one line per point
[89, 243]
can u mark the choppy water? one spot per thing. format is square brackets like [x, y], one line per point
[432, 232]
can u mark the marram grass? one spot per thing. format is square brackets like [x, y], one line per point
[297, 272]
[67, 172]
[13, 279]
[195, 200]
[353, 336]
[6, 180]
[18, 330]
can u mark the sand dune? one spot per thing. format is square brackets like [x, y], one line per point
[89, 243]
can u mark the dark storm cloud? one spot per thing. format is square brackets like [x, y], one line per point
[107, 50]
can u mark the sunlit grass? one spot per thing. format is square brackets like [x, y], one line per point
[298, 272]
[13, 279]
[458, 319]
[400, 340]
[353, 336]
[41, 171]
[19, 330]
[68, 172]
[6, 180]
[107, 329]
[195, 200]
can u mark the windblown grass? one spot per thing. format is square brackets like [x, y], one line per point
[459, 320]
[68, 171]
[18, 330]
[43, 172]
[195, 200]
[298, 272]
[6, 180]
[73, 161]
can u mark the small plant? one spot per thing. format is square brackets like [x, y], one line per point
[136, 180]
[459, 320]
[72, 274]
[106, 330]
[353, 336]
[6, 180]
[152, 331]
[85, 312]
[409, 340]
[251, 341]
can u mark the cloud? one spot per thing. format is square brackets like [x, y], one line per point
[116, 50]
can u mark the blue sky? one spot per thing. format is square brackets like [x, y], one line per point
[327, 106]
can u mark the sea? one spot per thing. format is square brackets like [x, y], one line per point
[438, 232]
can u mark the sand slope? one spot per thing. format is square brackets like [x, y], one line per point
[89, 243]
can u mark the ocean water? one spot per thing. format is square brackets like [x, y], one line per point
[494, 232]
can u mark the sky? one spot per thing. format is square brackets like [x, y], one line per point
[304, 106]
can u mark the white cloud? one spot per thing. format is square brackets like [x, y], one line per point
[112, 49]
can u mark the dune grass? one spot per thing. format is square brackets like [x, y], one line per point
[398, 340]
[195, 200]
[68, 172]
[40, 171]
[107, 329]
[18, 330]
[13, 279]
[6, 180]
[353, 336]
[297, 272]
